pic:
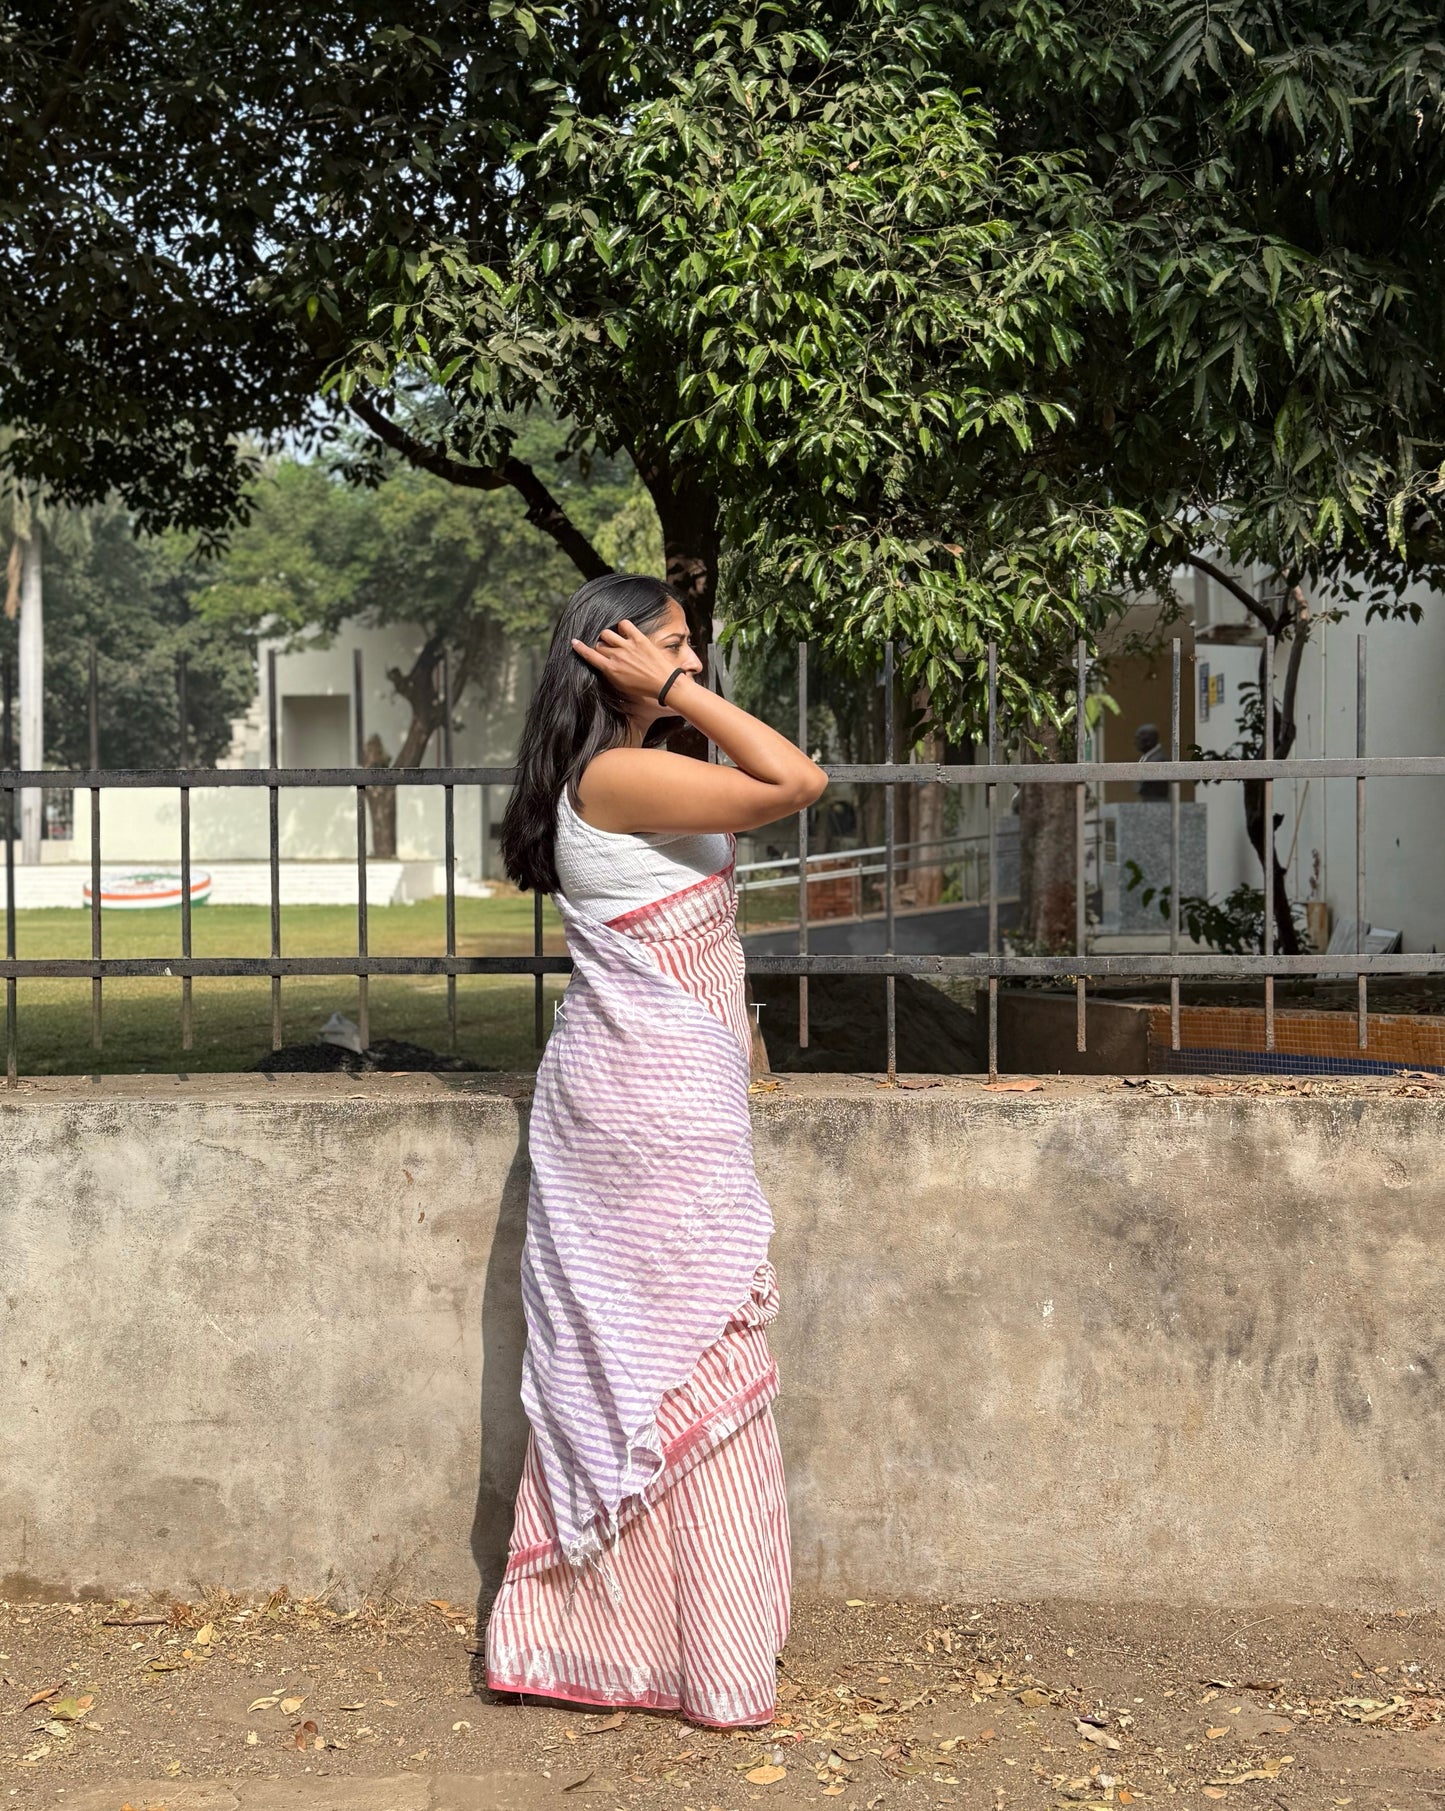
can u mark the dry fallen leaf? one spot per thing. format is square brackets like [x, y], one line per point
[572, 1785]
[766, 1776]
[1018, 1084]
[1214, 1734]
[1369, 1710]
[204, 1636]
[71, 1710]
[1267, 1770]
[50, 1691]
[264, 1703]
[1091, 1732]
[833, 1791]
[1032, 1698]
[292, 1705]
[1213, 1792]
[615, 1721]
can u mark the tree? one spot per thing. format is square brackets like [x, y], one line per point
[397, 545]
[173, 172]
[1301, 308]
[131, 598]
[970, 369]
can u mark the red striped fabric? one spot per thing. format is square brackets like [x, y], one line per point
[690, 938]
[690, 1606]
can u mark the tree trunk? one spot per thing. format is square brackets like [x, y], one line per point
[380, 804]
[1292, 621]
[1286, 936]
[1046, 858]
[421, 690]
[691, 547]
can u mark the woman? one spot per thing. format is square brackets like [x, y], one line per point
[649, 1559]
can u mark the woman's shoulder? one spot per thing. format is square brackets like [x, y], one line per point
[621, 779]
[614, 766]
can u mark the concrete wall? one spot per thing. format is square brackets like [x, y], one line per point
[1079, 1343]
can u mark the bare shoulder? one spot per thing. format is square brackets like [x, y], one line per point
[625, 770]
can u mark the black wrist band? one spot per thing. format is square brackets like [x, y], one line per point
[669, 682]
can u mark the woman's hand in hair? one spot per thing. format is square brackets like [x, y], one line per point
[635, 665]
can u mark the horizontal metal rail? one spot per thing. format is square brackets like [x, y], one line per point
[1203, 964]
[875, 773]
[62, 968]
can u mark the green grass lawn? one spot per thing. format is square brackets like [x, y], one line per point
[232, 1018]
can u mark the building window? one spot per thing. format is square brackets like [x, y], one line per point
[316, 730]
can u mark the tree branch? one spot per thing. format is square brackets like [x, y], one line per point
[1233, 586]
[82, 51]
[1301, 620]
[544, 512]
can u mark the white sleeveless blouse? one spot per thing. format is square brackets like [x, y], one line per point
[605, 873]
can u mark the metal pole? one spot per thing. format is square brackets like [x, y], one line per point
[1081, 672]
[450, 839]
[185, 793]
[990, 795]
[889, 854]
[273, 805]
[537, 981]
[363, 991]
[803, 849]
[1174, 818]
[32, 692]
[1362, 1008]
[96, 1026]
[1268, 841]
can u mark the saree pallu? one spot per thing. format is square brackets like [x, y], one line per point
[649, 1561]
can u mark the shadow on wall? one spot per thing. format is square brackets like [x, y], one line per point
[503, 1443]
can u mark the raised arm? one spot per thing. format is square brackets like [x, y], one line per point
[650, 789]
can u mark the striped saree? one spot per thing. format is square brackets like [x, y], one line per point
[649, 1558]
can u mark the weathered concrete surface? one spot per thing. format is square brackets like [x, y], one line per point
[1079, 1343]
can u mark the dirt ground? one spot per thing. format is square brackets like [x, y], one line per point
[881, 1706]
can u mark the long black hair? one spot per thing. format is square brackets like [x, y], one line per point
[574, 715]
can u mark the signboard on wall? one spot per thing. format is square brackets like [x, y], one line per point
[1211, 690]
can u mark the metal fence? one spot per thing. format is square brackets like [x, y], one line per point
[989, 966]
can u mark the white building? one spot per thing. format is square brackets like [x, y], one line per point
[1404, 818]
[316, 724]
